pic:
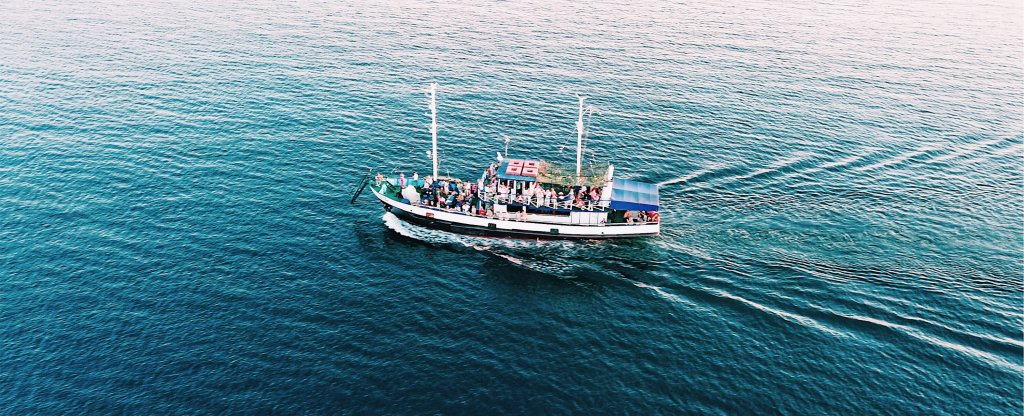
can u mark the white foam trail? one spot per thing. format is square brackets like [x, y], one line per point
[796, 158]
[510, 258]
[973, 147]
[888, 162]
[502, 248]
[691, 176]
[431, 235]
[418, 233]
[841, 162]
[802, 320]
[661, 292]
[916, 333]
[755, 173]
[779, 164]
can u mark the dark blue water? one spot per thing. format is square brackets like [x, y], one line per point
[841, 182]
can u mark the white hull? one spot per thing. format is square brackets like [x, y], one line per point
[535, 226]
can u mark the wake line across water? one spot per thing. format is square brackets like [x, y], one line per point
[663, 294]
[965, 150]
[792, 317]
[691, 176]
[510, 250]
[900, 158]
[922, 336]
[777, 165]
[808, 322]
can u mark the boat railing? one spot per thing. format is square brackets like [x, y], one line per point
[539, 202]
[506, 216]
[507, 199]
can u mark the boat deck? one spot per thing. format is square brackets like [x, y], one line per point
[561, 214]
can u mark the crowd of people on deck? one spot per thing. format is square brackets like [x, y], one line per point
[455, 195]
[492, 201]
[534, 193]
[641, 216]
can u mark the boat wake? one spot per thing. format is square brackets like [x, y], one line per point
[423, 234]
[846, 325]
[965, 150]
[897, 159]
[691, 176]
[542, 256]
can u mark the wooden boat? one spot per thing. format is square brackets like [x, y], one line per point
[523, 198]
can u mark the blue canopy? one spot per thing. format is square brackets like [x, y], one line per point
[634, 196]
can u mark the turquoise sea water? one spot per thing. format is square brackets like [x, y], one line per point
[841, 182]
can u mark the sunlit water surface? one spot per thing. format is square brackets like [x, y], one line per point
[841, 190]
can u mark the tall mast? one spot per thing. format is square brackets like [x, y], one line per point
[579, 141]
[433, 126]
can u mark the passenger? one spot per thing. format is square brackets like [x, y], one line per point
[380, 178]
[628, 216]
[415, 176]
[502, 193]
[401, 180]
[654, 216]
[595, 194]
[522, 215]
